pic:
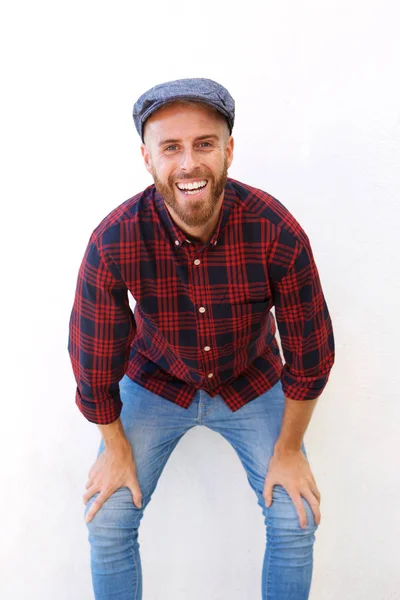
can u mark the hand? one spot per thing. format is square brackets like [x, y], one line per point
[291, 469]
[113, 469]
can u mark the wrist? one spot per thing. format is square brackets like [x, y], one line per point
[284, 448]
[117, 443]
[113, 434]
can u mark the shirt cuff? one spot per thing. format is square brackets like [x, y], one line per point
[101, 413]
[299, 387]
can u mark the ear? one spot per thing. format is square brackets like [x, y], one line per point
[147, 158]
[229, 150]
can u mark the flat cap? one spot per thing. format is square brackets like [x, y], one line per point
[206, 91]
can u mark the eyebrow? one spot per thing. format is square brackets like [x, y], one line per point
[197, 139]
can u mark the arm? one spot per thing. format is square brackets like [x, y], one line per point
[115, 467]
[101, 331]
[296, 418]
[302, 317]
[113, 434]
[288, 466]
[307, 342]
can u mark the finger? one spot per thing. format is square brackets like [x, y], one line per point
[137, 497]
[89, 483]
[314, 504]
[90, 492]
[301, 511]
[313, 480]
[268, 488]
[316, 493]
[97, 504]
[136, 491]
[313, 486]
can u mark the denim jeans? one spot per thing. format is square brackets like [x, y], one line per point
[154, 426]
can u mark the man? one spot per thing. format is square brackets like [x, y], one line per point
[206, 258]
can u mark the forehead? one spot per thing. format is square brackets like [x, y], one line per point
[179, 119]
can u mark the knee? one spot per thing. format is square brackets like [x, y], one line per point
[116, 514]
[283, 522]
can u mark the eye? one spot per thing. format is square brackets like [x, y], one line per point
[171, 148]
[205, 144]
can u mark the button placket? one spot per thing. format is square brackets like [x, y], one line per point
[198, 264]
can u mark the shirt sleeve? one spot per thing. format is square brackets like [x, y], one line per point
[302, 316]
[101, 331]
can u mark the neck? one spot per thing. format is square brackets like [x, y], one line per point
[202, 233]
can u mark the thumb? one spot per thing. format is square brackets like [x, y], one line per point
[136, 494]
[268, 492]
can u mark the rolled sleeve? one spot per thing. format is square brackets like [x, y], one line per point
[101, 331]
[302, 316]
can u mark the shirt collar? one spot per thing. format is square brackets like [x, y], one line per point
[176, 235]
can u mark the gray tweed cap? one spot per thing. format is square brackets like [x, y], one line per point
[203, 90]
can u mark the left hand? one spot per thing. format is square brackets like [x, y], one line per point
[291, 469]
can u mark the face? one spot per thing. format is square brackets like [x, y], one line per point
[188, 150]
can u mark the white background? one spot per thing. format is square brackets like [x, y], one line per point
[316, 85]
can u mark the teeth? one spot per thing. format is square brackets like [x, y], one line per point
[192, 186]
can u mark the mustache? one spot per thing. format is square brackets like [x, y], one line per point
[194, 175]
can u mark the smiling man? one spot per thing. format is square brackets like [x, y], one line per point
[206, 258]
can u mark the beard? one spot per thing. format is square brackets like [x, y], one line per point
[193, 213]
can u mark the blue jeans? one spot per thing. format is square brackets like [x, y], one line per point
[154, 426]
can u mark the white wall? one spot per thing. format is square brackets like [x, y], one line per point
[318, 125]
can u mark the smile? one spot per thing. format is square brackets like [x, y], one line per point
[193, 188]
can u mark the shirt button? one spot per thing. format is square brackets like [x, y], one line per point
[202, 309]
[196, 262]
[207, 348]
[210, 375]
[176, 243]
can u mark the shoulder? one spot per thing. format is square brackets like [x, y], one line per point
[123, 217]
[268, 208]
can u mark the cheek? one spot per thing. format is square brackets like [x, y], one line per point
[165, 169]
[215, 160]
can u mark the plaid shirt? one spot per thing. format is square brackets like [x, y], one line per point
[202, 317]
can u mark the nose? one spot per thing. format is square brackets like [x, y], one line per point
[189, 160]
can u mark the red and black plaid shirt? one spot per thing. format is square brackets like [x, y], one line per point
[203, 316]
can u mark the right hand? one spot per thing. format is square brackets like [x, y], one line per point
[114, 468]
